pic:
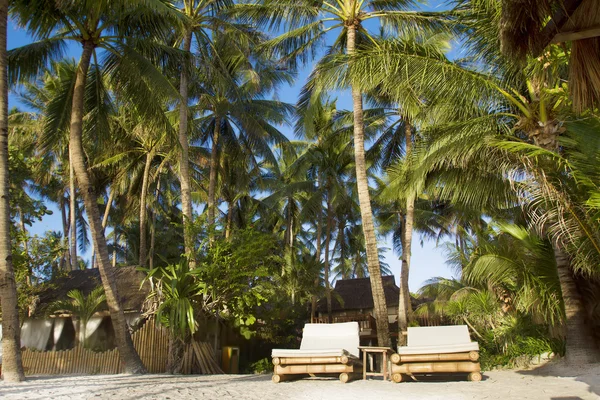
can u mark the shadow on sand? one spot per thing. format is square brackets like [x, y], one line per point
[586, 373]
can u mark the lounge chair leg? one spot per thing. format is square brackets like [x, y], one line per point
[397, 378]
[475, 376]
[346, 377]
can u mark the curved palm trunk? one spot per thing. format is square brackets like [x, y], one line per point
[212, 182]
[366, 213]
[404, 305]
[144, 209]
[72, 215]
[326, 263]
[128, 355]
[184, 172]
[12, 366]
[580, 342]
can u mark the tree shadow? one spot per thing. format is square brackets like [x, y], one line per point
[586, 373]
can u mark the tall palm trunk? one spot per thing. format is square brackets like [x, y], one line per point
[111, 198]
[313, 305]
[404, 305]
[129, 357]
[326, 261]
[580, 346]
[153, 227]
[65, 259]
[212, 180]
[184, 173]
[144, 209]
[12, 366]
[341, 241]
[580, 342]
[364, 199]
[229, 224]
[72, 215]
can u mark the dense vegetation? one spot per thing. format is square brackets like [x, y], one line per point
[162, 146]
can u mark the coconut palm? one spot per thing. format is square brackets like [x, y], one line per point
[82, 308]
[307, 26]
[233, 109]
[203, 19]
[98, 26]
[11, 342]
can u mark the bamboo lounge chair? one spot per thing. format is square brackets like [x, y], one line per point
[437, 349]
[325, 349]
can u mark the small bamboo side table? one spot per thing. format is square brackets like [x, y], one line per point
[384, 351]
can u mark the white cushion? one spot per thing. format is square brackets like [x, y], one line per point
[448, 348]
[325, 340]
[438, 335]
[331, 336]
[308, 353]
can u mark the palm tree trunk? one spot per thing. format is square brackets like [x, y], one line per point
[212, 180]
[364, 199]
[313, 305]
[72, 215]
[12, 366]
[153, 228]
[404, 305]
[580, 342]
[25, 244]
[128, 354]
[115, 244]
[184, 173]
[326, 261]
[111, 198]
[64, 260]
[144, 209]
[229, 224]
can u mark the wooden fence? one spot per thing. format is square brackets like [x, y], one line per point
[151, 343]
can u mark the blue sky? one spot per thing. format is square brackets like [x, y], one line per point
[428, 260]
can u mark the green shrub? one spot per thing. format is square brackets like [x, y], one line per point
[263, 366]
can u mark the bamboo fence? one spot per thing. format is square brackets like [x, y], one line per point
[151, 343]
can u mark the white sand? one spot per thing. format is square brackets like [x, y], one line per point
[581, 384]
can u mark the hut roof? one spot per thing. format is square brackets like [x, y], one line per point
[355, 294]
[128, 285]
[529, 26]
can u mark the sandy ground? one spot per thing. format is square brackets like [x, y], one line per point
[583, 383]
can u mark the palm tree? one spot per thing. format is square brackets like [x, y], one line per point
[94, 27]
[11, 329]
[82, 308]
[203, 18]
[308, 23]
[233, 109]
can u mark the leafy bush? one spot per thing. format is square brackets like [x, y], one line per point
[262, 366]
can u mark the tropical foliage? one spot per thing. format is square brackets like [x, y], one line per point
[168, 144]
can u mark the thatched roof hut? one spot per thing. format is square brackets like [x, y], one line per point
[529, 26]
[128, 280]
[356, 295]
